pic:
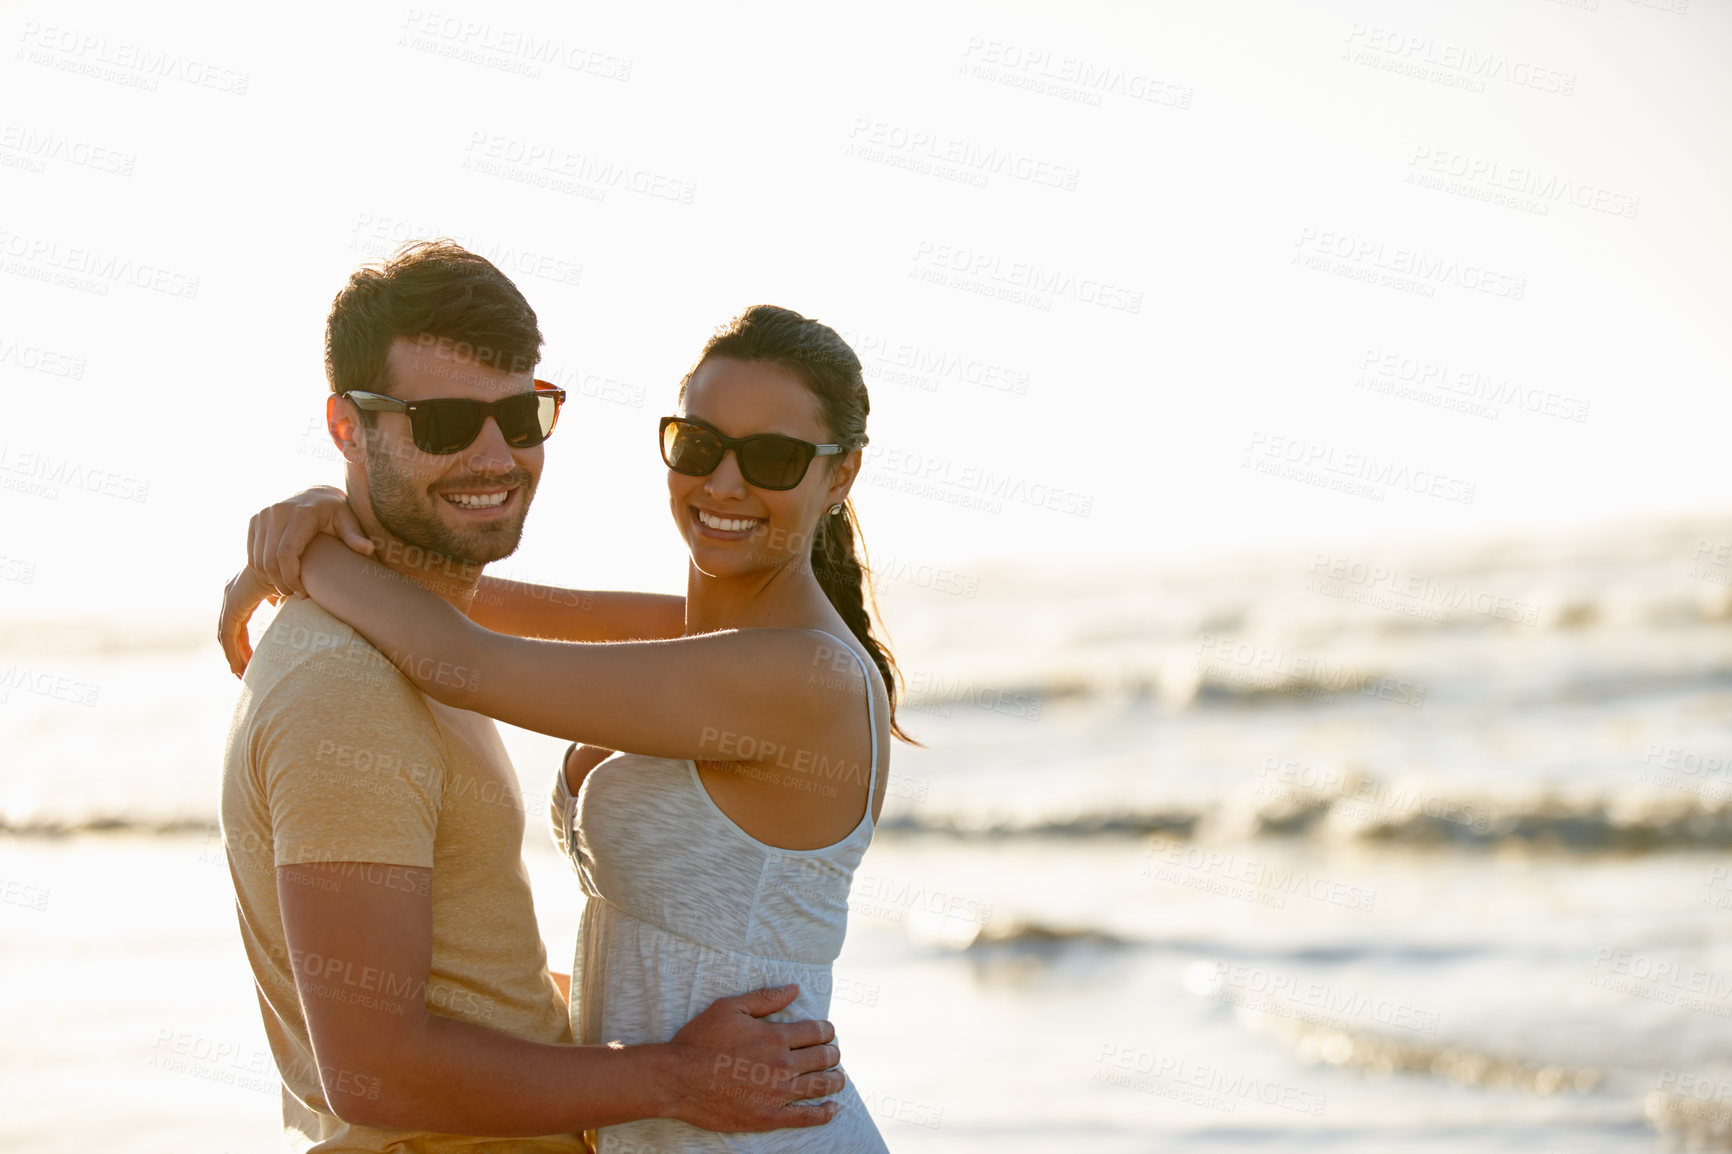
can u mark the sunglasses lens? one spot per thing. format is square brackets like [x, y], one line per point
[774, 462]
[445, 426]
[690, 449]
[526, 419]
[546, 412]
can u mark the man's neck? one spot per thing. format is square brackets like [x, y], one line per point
[448, 578]
[451, 580]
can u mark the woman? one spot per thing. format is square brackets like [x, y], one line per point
[718, 853]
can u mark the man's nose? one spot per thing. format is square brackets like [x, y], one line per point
[489, 452]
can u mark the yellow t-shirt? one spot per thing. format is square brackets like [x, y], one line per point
[334, 756]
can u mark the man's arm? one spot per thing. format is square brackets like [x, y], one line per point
[360, 942]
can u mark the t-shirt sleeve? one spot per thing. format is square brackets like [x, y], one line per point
[351, 762]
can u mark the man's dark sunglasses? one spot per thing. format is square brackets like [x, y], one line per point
[451, 424]
[768, 460]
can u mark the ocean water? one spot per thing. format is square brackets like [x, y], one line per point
[1420, 849]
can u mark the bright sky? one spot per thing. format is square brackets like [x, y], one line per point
[1118, 271]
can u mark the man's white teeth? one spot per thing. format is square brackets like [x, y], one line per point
[478, 500]
[727, 524]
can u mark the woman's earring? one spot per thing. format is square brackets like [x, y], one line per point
[835, 510]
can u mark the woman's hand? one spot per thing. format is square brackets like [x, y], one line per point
[241, 596]
[276, 538]
[278, 535]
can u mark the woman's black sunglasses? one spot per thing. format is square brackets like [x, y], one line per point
[767, 460]
[451, 424]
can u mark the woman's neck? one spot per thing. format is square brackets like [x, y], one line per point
[786, 598]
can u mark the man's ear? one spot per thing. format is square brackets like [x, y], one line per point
[344, 422]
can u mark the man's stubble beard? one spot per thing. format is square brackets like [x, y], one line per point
[404, 511]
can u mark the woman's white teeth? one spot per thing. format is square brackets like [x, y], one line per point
[478, 500]
[727, 524]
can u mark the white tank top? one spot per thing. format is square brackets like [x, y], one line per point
[685, 907]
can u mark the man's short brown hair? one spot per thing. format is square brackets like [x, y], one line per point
[429, 288]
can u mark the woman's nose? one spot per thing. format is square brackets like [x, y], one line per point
[726, 479]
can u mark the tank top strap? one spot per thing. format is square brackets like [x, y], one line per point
[871, 716]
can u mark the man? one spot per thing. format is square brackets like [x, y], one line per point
[374, 835]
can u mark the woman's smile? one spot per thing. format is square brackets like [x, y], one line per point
[723, 527]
